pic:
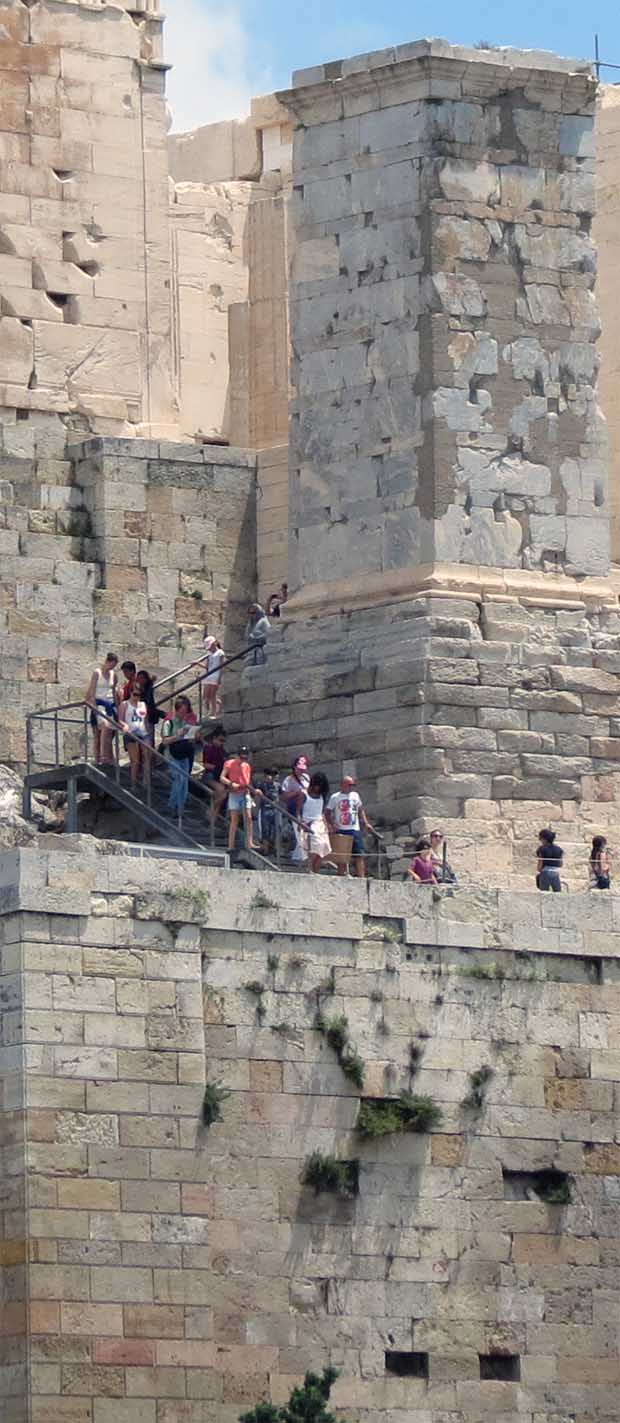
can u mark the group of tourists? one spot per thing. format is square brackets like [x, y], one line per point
[297, 810]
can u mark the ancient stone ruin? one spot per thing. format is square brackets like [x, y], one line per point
[254, 1124]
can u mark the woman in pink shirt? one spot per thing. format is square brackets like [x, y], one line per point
[422, 869]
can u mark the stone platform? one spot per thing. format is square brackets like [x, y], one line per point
[157, 1271]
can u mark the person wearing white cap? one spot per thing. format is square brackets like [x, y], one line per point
[346, 819]
[213, 659]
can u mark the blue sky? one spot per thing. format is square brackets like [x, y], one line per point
[223, 53]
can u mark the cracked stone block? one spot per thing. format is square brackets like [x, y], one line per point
[16, 350]
[89, 359]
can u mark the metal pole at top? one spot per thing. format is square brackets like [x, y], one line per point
[597, 58]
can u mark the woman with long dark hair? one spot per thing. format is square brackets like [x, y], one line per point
[600, 868]
[313, 816]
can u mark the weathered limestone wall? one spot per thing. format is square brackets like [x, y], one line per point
[272, 520]
[179, 1273]
[84, 244]
[606, 229]
[443, 319]
[209, 274]
[132, 545]
[231, 255]
[489, 713]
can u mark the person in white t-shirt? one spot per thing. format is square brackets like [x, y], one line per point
[213, 660]
[347, 819]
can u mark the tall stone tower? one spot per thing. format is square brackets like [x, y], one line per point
[449, 527]
[444, 321]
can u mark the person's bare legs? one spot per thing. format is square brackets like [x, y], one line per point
[359, 867]
[247, 825]
[211, 699]
[219, 796]
[106, 740]
[315, 864]
[232, 829]
[133, 751]
[146, 759]
[97, 745]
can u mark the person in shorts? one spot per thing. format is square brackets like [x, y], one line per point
[133, 720]
[213, 661]
[346, 819]
[102, 698]
[237, 778]
[600, 864]
[549, 859]
[213, 761]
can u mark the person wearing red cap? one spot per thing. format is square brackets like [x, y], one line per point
[346, 819]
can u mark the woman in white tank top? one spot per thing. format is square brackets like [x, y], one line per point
[133, 717]
[101, 696]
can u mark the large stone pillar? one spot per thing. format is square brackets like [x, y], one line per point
[453, 634]
[443, 323]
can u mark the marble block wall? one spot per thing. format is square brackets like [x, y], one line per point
[443, 321]
[183, 1274]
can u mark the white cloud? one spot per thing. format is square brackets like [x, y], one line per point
[209, 48]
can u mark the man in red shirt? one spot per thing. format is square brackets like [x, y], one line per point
[237, 778]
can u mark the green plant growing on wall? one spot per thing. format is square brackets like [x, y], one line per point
[255, 987]
[399, 1114]
[479, 1081]
[307, 1403]
[262, 901]
[327, 1173]
[336, 1030]
[273, 961]
[212, 1101]
[493, 971]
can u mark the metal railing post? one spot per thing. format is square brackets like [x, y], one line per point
[86, 719]
[278, 837]
[56, 741]
[117, 763]
[72, 808]
[27, 796]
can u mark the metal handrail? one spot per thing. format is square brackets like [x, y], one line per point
[86, 708]
[52, 714]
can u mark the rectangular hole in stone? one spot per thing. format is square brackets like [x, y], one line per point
[504, 1368]
[406, 1365]
[549, 1185]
